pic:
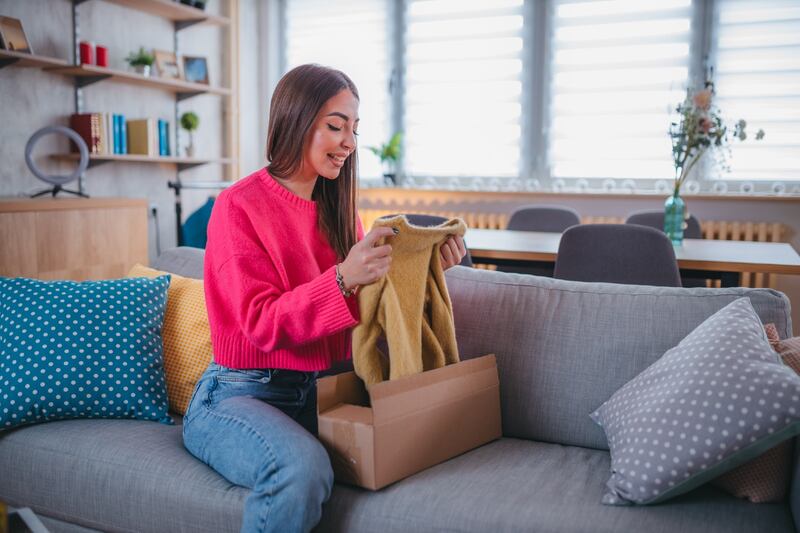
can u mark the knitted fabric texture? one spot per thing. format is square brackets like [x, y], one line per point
[410, 306]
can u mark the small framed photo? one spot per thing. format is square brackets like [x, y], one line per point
[12, 36]
[168, 65]
[195, 69]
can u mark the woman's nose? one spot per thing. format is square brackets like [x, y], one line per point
[349, 141]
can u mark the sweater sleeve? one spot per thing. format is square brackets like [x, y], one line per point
[244, 284]
[274, 319]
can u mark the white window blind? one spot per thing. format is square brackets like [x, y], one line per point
[463, 87]
[758, 79]
[617, 69]
[354, 37]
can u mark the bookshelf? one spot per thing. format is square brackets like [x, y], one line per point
[88, 74]
[181, 162]
[20, 59]
[182, 16]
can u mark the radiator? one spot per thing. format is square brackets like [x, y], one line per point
[712, 229]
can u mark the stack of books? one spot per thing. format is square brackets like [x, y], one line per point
[109, 133]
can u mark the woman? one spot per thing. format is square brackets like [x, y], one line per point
[283, 261]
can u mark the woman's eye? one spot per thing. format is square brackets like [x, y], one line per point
[334, 128]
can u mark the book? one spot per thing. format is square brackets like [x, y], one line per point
[87, 125]
[163, 137]
[166, 138]
[140, 137]
[117, 136]
[123, 135]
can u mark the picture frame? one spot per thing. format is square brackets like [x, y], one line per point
[12, 36]
[195, 69]
[168, 65]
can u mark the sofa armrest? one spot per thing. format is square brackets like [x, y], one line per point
[794, 495]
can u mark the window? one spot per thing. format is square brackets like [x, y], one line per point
[352, 36]
[559, 92]
[758, 79]
[617, 68]
[463, 87]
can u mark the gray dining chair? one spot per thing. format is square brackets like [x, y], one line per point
[425, 221]
[617, 253]
[655, 219]
[547, 218]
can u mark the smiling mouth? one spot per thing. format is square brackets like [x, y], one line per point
[338, 160]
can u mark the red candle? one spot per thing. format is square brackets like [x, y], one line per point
[87, 53]
[101, 53]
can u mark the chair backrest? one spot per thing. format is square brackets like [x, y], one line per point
[432, 220]
[617, 253]
[551, 218]
[655, 219]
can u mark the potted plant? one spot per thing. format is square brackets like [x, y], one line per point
[389, 154]
[190, 122]
[141, 61]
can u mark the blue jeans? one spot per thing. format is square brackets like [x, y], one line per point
[257, 429]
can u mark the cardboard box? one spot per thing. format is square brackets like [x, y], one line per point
[401, 427]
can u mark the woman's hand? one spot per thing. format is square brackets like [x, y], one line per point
[367, 263]
[452, 251]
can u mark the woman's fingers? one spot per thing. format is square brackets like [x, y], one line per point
[375, 234]
[462, 248]
[381, 251]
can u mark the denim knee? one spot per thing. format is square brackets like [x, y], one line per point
[311, 474]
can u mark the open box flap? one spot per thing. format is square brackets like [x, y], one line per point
[346, 388]
[401, 397]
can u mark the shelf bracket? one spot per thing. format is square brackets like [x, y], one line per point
[187, 166]
[183, 24]
[186, 95]
[8, 61]
[97, 162]
[83, 81]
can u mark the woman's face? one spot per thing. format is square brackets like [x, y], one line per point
[332, 138]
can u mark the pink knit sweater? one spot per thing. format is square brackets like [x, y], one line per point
[270, 281]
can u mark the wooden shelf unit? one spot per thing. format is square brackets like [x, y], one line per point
[181, 14]
[182, 162]
[88, 74]
[21, 59]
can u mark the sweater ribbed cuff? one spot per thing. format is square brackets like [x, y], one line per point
[331, 307]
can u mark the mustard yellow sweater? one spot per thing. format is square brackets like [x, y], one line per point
[410, 305]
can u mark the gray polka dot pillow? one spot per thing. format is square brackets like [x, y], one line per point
[81, 350]
[715, 401]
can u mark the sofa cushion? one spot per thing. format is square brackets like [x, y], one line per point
[518, 485]
[564, 347]
[767, 477]
[183, 260]
[88, 349]
[718, 399]
[186, 335]
[116, 475]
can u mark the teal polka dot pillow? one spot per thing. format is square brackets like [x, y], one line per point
[87, 349]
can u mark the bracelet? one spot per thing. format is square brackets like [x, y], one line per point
[340, 283]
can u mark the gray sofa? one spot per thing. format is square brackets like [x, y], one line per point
[562, 349]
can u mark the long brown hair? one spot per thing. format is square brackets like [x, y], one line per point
[297, 100]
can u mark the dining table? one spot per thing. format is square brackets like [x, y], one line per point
[697, 258]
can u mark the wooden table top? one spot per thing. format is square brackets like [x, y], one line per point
[698, 254]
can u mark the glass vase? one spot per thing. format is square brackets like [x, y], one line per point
[675, 217]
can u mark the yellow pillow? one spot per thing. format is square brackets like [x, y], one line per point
[185, 333]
